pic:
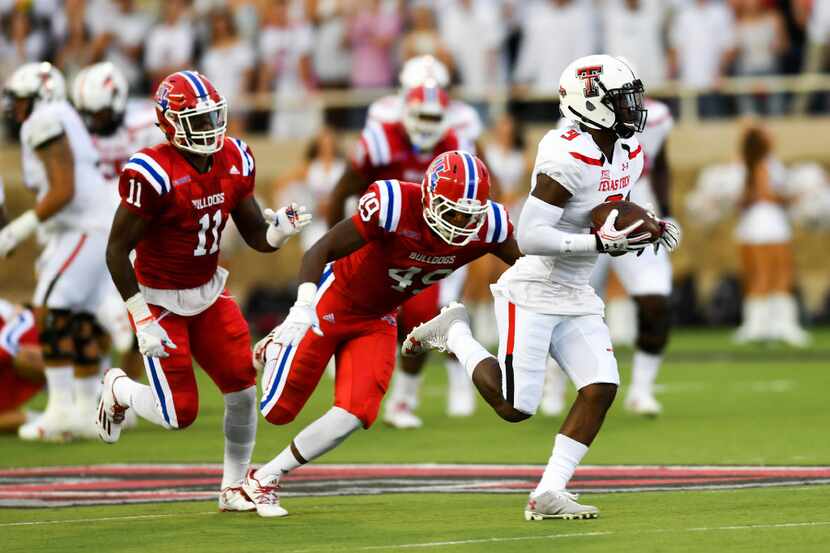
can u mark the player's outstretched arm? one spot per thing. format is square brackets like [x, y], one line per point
[267, 231]
[127, 230]
[338, 242]
[350, 184]
[57, 158]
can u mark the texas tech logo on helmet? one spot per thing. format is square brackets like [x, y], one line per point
[589, 75]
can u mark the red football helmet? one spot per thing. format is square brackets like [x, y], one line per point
[455, 193]
[425, 108]
[192, 113]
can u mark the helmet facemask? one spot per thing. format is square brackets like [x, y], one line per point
[440, 210]
[200, 130]
[424, 127]
[627, 103]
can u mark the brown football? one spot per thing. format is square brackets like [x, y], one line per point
[629, 212]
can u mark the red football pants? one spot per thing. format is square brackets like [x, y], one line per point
[15, 389]
[420, 308]
[219, 340]
[364, 349]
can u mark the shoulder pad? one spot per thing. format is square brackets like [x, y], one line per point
[42, 127]
[152, 171]
[391, 200]
[245, 156]
[497, 223]
[377, 143]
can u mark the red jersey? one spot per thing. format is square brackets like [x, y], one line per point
[385, 152]
[188, 210]
[402, 254]
[16, 330]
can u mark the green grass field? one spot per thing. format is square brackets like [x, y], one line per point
[723, 405]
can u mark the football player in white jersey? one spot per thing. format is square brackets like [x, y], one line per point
[544, 303]
[647, 278]
[118, 129]
[60, 165]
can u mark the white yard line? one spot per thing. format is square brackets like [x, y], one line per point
[105, 519]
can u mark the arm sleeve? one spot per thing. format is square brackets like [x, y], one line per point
[536, 234]
[379, 209]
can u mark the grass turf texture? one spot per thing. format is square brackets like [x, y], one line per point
[723, 405]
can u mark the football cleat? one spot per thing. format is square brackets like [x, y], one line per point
[260, 350]
[234, 499]
[461, 401]
[85, 427]
[110, 414]
[433, 333]
[558, 504]
[643, 403]
[400, 416]
[55, 425]
[265, 496]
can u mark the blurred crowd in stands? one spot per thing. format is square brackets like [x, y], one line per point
[290, 49]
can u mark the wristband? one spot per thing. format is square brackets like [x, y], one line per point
[139, 310]
[580, 243]
[306, 293]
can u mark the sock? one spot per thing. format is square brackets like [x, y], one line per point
[317, 438]
[240, 435]
[469, 352]
[59, 385]
[567, 454]
[405, 389]
[644, 371]
[87, 390]
[456, 375]
[139, 397]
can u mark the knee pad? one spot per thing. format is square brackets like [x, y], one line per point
[86, 335]
[56, 335]
[653, 323]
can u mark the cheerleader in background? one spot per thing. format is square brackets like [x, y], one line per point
[312, 182]
[764, 235]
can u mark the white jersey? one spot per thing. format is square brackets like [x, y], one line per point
[658, 126]
[559, 285]
[461, 117]
[138, 131]
[48, 121]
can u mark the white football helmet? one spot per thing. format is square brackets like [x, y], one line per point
[420, 69]
[40, 81]
[424, 115]
[100, 86]
[603, 92]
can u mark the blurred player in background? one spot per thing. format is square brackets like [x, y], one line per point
[404, 238]
[544, 303]
[60, 163]
[764, 233]
[118, 130]
[646, 278]
[403, 149]
[21, 364]
[176, 198]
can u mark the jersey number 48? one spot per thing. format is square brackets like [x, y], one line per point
[404, 278]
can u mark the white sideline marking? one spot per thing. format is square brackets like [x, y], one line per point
[425, 545]
[105, 519]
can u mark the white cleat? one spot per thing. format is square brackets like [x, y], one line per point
[265, 496]
[130, 420]
[433, 333]
[235, 500]
[400, 416]
[110, 415]
[558, 505]
[55, 425]
[641, 403]
[259, 351]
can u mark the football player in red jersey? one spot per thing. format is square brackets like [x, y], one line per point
[175, 200]
[21, 364]
[403, 150]
[404, 238]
